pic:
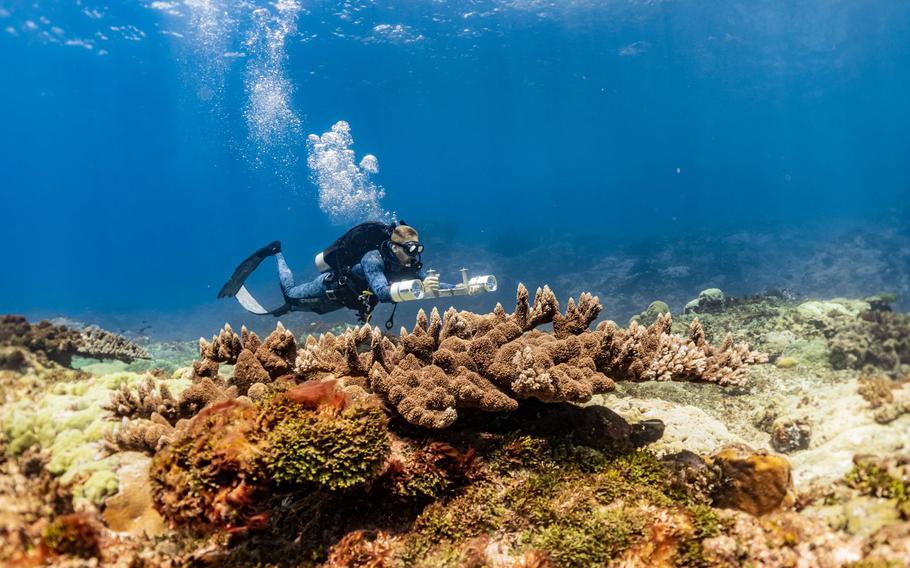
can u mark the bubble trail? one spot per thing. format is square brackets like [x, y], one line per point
[346, 192]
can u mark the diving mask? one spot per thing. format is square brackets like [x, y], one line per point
[412, 248]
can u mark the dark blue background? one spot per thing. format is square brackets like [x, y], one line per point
[124, 191]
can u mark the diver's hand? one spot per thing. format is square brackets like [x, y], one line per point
[431, 284]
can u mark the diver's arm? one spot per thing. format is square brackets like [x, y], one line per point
[374, 272]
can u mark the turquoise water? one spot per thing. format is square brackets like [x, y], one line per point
[638, 149]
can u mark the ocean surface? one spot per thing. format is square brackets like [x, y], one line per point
[639, 149]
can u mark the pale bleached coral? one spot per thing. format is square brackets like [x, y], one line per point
[653, 353]
[69, 422]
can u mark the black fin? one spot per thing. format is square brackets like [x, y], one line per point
[242, 272]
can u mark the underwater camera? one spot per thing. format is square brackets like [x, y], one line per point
[412, 290]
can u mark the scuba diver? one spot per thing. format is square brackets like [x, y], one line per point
[373, 262]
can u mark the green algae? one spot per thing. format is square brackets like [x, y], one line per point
[871, 478]
[232, 454]
[336, 452]
[580, 506]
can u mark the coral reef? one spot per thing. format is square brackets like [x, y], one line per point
[708, 300]
[75, 534]
[877, 338]
[649, 316]
[29, 495]
[472, 440]
[489, 362]
[887, 478]
[68, 420]
[60, 343]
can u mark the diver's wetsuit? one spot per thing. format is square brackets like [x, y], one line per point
[311, 296]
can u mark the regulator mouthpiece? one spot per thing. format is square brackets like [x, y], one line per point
[406, 291]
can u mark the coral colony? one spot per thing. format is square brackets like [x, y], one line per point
[470, 440]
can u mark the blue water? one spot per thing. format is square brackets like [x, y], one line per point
[641, 149]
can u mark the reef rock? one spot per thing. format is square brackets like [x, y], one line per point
[790, 435]
[686, 427]
[131, 510]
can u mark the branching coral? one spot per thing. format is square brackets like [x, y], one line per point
[492, 361]
[150, 412]
[141, 435]
[254, 361]
[101, 344]
[60, 343]
[464, 360]
[149, 398]
[653, 353]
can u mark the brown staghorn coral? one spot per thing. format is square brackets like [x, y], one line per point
[254, 361]
[149, 398]
[491, 361]
[140, 435]
[154, 413]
